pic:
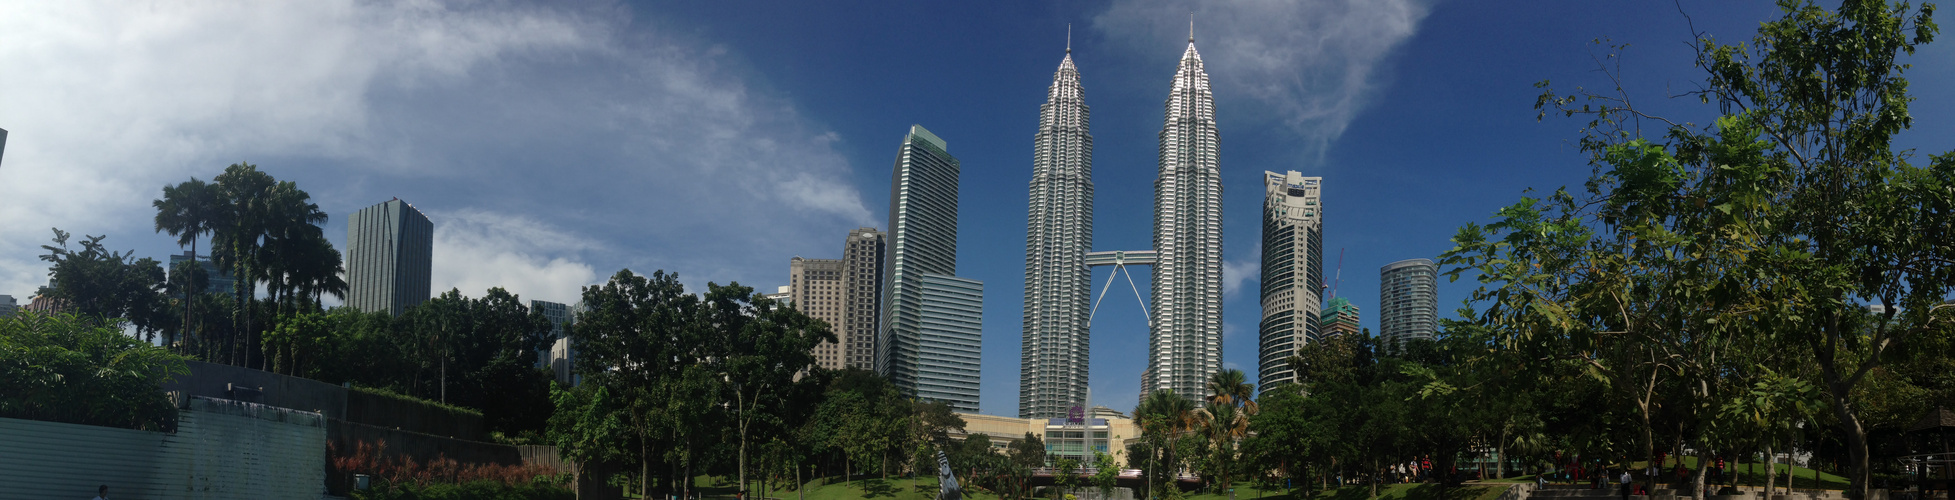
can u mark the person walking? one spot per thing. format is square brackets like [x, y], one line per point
[1625, 483]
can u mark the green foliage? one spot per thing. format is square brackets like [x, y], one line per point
[694, 383]
[382, 392]
[99, 283]
[1715, 278]
[65, 368]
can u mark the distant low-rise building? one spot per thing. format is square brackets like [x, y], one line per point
[783, 294]
[8, 305]
[1067, 437]
[46, 305]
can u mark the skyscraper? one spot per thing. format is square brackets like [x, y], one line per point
[1058, 233]
[950, 335]
[1293, 272]
[922, 245]
[815, 288]
[1185, 344]
[1408, 302]
[559, 317]
[1340, 317]
[862, 257]
[390, 254]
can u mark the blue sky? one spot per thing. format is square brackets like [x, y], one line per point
[555, 143]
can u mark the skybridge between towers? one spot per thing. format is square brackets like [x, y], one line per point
[1120, 259]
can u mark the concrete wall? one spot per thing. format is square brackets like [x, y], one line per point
[221, 450]
[211, 380]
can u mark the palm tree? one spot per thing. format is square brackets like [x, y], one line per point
[1231, 388]
[187, 211]
[1164, 416]
[1227, 414]
[243, 191]
[291, 236]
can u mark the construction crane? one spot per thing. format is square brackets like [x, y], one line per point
[1340, 274]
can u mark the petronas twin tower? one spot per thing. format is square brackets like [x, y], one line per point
[1185, 319]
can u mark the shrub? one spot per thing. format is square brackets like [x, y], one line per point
[404, 476]
[67, 368]
[484, 490]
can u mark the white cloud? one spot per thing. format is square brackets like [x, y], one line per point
[1236, 272]
[476, 250]
[1312, 64]
[565, 114]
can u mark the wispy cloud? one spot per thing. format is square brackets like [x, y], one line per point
[1313, 64]
[502, 116]
[1237, 272]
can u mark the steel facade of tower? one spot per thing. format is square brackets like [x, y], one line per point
[922, 240]
[1408, 302]
[862, 257]
[950, 334]
[1185, 344]
[389, 257]
[1293, 272]
[1058, 233]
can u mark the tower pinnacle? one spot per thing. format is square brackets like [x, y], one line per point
[1069, 38]
[1191, 27]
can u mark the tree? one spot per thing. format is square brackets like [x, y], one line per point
[242, 193]
[1163, 417]
[1227, 418]
[760, 348]
[636, 338]
[1065, 475]
[1856, 222]
[1282, 435]
[1106, 473]
[104, 285]
[1026, 454]
[1794, 207]
[68, 368]
[188, 211]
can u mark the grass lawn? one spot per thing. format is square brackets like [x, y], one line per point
[1753, 474]
[1385, 492]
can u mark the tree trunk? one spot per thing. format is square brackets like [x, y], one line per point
[644, 467]
[1858, 465]
[189, 283]
[1703, 469]
[1771, 472]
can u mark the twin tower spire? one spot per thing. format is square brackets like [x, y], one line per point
[1185, 315]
